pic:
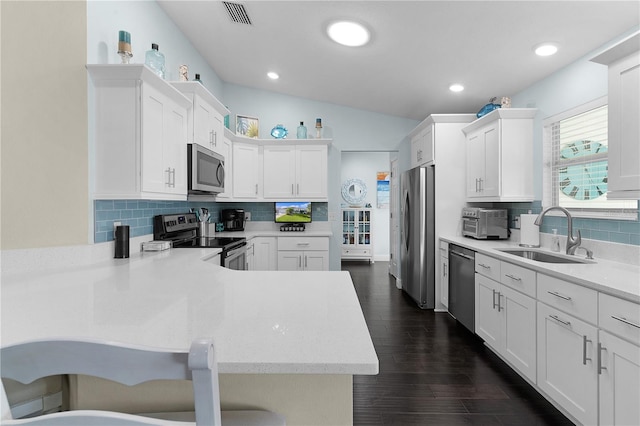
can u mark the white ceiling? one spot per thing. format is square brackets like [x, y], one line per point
[418, 48]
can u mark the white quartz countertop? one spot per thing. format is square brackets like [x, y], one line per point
[262, 322]
[617, 279]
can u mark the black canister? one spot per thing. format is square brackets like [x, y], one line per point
[122, 242]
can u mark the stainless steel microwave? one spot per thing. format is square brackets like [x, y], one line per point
[205, 170]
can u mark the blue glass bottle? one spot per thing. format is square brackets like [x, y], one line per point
[155, 60]
[302, 131]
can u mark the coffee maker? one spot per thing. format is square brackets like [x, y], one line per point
[233, 219]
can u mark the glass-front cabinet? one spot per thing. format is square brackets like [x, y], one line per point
[357, 234]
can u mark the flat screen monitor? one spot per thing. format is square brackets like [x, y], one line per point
[293, 212]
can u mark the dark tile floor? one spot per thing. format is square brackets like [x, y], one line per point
[433, 371]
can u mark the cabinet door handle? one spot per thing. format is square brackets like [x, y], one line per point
[500, 308]
[513, 277]
[600, 349]
[494, 298]
[567, 323]
[173, 185]
[584, 350]
[476, 184]
[215, 138]
[556, 294]
[481, 185]
[256, 189]
[305, 262]
[298, 189]
[419, 155]
[626, 321]
[444, 270]
[292, 193]
[211, 137]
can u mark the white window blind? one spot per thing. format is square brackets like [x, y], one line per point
[576, 163]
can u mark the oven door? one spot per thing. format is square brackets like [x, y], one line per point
[235, 259]
[470, 227]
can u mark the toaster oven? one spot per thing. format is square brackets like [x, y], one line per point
[485, 224]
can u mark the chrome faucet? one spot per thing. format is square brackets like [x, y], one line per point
[572, 243]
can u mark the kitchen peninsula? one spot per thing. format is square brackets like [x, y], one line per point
[287, 341]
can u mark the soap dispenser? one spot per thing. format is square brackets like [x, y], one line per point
[555, 241]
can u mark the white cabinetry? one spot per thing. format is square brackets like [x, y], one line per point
[567, 343]
[140, 134]
[500, 156]
[444, 273]
[265, 255]
[295, 172]
[357, 237]
[619, 361]
[205, 125]
[566, 362]
[623, 60]
[505, 318]
[246, 171]
[303, 253]
[422, 147]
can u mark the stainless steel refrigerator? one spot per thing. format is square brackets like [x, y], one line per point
[417, 251]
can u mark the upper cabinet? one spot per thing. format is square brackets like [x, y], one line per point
[206, 117]
[623, 60]
[500, 156]
[422, 147]
[295, 172]
[140, 134]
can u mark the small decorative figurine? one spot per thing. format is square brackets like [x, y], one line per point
[184, 71]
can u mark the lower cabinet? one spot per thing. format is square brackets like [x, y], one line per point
[303, 253]
[265, 255]
[619, 363]
[567, 358]
[444, 273]
[506, 320]
[579, 347]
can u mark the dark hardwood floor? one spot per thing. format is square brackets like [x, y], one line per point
[432, 370]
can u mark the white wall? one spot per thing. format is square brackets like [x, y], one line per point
[364, 166]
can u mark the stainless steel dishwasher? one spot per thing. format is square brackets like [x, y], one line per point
[462, 289]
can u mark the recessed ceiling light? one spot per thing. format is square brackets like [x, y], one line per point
[545, 49]
[456, 87]
[349, 33]
[273, 75]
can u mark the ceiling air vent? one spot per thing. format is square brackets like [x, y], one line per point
[237, 13]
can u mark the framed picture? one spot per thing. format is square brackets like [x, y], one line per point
[247, 126]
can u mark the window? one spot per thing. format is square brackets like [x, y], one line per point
[576, 164]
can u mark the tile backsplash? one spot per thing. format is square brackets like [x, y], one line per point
[138, 214]
[615, 231]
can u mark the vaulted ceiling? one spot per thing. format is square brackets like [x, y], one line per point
[418, 48]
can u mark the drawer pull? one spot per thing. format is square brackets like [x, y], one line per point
[513, 277]
[484, 266]
[303, 244]
[561, 296]
[584, 350]
[626, 321]
[567, 323]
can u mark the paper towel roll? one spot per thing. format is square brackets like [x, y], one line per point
[529, 232]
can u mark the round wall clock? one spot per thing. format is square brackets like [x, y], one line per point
[583, 181]
[354, 191]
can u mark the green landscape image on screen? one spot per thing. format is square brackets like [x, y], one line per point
[293, 212]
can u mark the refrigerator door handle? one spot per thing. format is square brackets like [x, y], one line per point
[407, 224]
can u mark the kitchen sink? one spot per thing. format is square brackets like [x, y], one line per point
[541, 256]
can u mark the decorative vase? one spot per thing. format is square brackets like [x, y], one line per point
[279, 132]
